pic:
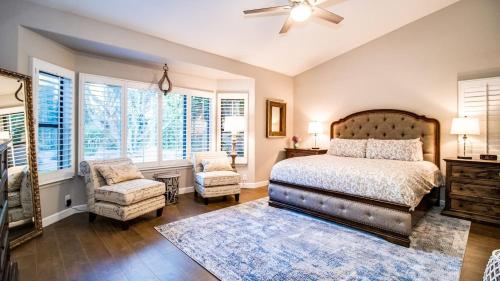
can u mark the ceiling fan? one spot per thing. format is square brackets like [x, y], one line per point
[299, 10]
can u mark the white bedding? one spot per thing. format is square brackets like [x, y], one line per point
[404, 182]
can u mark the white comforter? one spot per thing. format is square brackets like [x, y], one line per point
[395, 181]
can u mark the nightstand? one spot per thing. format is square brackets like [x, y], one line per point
[297, 152]
[473, 190]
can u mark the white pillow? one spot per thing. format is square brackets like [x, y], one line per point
[348, 148]
[218, 164]
[405, 150]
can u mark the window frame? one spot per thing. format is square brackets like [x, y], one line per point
[125, 84]
[38, 65]
[233, 95]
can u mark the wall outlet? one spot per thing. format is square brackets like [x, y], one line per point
[67, 199]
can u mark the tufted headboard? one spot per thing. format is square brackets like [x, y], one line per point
[390, 124]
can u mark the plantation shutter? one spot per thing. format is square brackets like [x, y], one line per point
[54, 122]
[481, 99]
[201, 124]
[14, 123]
[102, 121]
[142, 125]
[232, 107]
[174, 126]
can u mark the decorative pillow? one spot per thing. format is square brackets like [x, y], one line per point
[119, 172]
[348, 148]
[405, 150]
[16, 175]
[219, 164]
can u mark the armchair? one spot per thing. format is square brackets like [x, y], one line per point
[122, 201]
[214, 183]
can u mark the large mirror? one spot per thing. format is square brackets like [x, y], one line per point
[17, 125]
[276, 119]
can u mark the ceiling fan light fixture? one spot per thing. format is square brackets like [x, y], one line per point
[301, 12]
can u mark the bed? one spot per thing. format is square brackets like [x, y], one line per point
[383, 197]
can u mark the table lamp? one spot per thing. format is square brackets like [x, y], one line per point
[315, 128]
[235, 125]
[465, 126]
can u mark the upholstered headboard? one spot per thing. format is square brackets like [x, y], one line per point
[390, 124]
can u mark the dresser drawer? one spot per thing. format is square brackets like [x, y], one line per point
[475, 172]
[475, 190]
[489, 210]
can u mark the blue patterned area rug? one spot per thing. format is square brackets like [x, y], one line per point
[253, 241]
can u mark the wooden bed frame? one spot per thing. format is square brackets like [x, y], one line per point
[379, 124]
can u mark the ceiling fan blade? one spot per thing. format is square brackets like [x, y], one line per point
[267, 10]
[327, 15]
[286, 26]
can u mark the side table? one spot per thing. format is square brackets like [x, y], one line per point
[171, 186]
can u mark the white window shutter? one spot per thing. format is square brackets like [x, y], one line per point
[54, 122]
[102, 121]
[142, 125]
[14, 123]
[174, 126]
[480, 98]
[201, 124]
[233, 105]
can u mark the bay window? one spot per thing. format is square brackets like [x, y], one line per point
[130, 119]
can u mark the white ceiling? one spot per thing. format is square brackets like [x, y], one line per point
[219, 26]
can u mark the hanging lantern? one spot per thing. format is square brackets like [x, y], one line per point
[164, 84]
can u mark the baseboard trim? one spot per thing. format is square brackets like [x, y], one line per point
[254, 184]
[64, 214]
[187, 189]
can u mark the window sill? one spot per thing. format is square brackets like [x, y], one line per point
[176, 164]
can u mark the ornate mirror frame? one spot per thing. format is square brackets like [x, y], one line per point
[33, 164]
[270, 104]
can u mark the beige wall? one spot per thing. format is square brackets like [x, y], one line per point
[18, 44]
[414, 68]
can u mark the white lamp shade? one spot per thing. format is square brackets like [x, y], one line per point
[4, 135]
[465, 126]
[315, 128]
[234, 124]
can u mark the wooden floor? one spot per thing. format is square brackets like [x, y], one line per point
[73, 249]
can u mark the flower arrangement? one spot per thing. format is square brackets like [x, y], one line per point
[295, 141]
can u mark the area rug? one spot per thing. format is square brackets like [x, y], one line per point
[253, 241]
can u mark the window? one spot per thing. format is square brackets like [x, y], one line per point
[174, 126]
[54, 111]
[233, 105]
[480, 98]
[102, 121]
[12, 120]
[201, 124]
[142, 124]
[125, 118]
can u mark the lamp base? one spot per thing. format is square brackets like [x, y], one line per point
[314, 147]
[465, 157]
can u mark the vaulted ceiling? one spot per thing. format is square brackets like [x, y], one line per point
[219, 26]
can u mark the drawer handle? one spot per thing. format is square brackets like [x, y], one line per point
[460, 205]
[461, 188]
